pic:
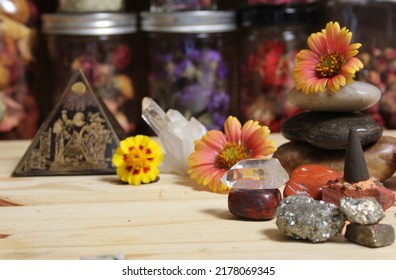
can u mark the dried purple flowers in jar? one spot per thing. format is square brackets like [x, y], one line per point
[102, 45]
[192, 59]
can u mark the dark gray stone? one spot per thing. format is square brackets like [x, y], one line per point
[301, 217]
[378, 235]
[363, 211]
[330, 130]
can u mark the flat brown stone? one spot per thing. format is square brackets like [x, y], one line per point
[380, 157]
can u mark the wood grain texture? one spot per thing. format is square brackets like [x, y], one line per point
[72, 217]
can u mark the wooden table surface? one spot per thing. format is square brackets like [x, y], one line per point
[74, 217]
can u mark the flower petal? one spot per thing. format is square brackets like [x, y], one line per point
[232, 129]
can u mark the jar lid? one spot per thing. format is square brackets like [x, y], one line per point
[250, 3]
[364, 2]
[271, 15]
[189, 21]
[89, 24]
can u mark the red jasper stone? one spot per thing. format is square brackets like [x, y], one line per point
[385, 197]
[257, 204]
[308, 180]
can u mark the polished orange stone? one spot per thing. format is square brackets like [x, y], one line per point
[309, 179]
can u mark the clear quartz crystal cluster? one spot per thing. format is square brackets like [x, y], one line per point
[256, 174]
[176, 133]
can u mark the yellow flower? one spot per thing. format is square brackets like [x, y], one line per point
[330, 61]
[137, 160]
[217, 152]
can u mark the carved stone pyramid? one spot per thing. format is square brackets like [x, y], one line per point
[78, 137]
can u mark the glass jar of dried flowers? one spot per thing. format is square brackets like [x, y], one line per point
[271, 37]
[103, 46]
[19, 102]
[373, 24]
[192, 60]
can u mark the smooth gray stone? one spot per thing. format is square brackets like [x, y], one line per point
[330, 130]
[301, 217]
[353, 97]
[363, 211]
[378, 235]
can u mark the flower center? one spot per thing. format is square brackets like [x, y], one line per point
[329, 65]
[231, 154]
[137, 160]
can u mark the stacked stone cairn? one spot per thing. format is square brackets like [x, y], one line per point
[319, 135]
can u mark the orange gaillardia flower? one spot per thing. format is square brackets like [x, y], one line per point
[330, 61]
[217, 152]
[137, 160]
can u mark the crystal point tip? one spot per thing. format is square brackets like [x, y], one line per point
[154, 116]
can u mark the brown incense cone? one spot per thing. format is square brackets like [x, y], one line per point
[356, 182]
[355, 168]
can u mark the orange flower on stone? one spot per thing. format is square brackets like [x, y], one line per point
[329, 62]
[217, 152]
